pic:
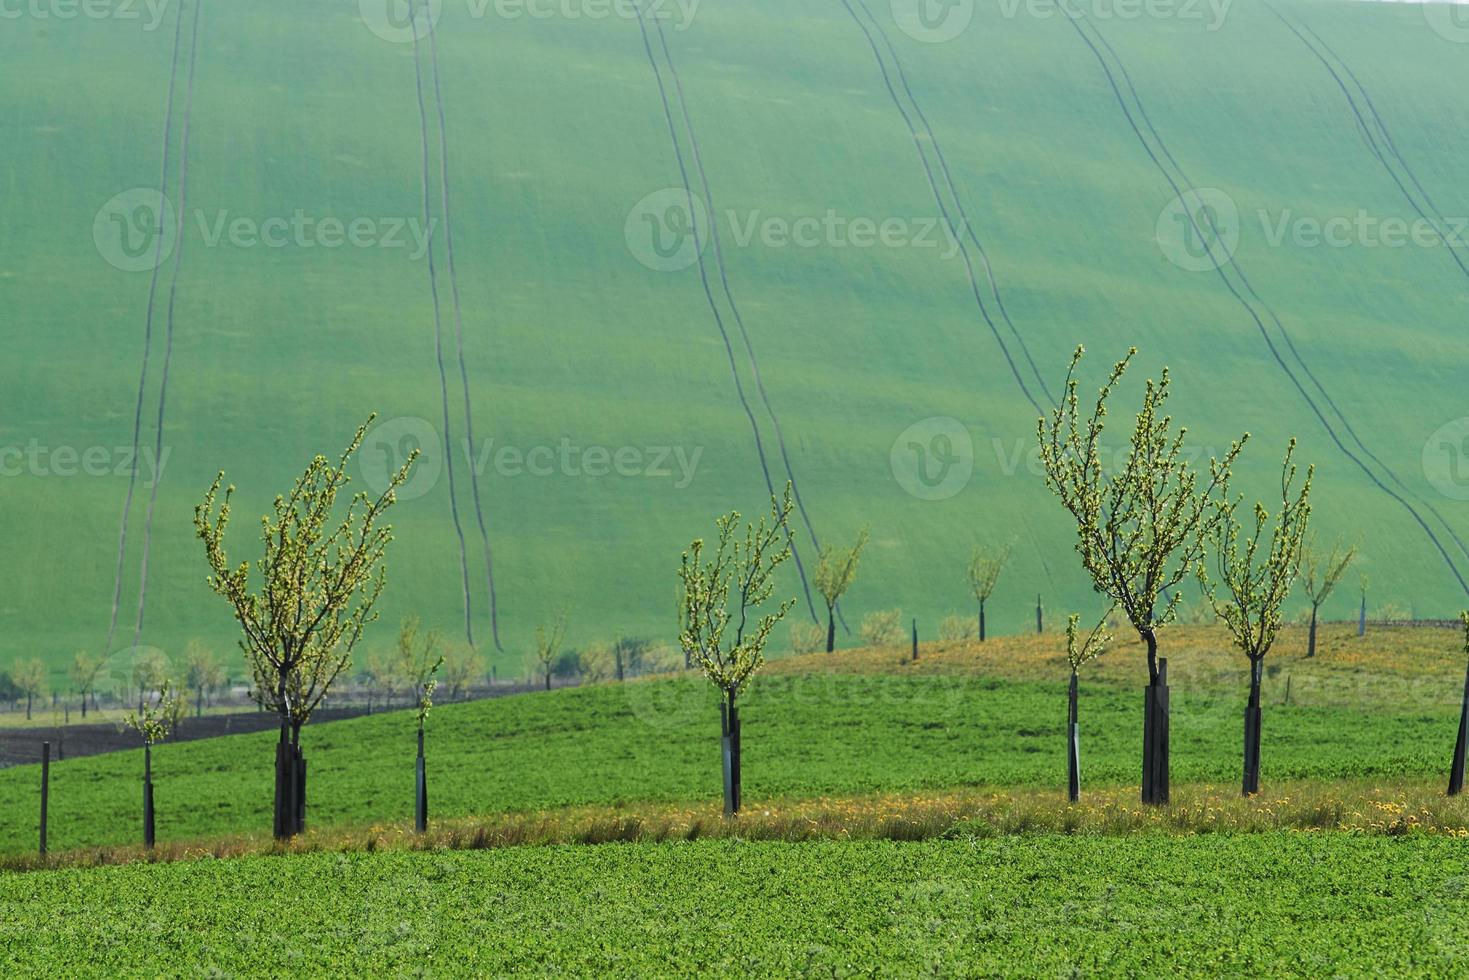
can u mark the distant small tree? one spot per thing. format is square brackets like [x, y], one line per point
[29, 678]
[836, 569]
[319, 584]
[150, 670]
[1256, 583]
[985, 566]
[954, 627]
[1323, 573]
[1079, 652]
[418, 665]
[1140, 531]
[548, 648]
[1362, 610]
[882, 628]
[84, 671]
[156, 718]
[731, 588]
[203, 673]
[462, 667]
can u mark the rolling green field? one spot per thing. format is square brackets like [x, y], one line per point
[554, 129]
[1278, 905]
[963, 716]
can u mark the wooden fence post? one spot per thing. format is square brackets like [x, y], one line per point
[45, 790]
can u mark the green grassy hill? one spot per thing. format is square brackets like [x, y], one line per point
[1062, 147]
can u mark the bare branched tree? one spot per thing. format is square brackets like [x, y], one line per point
[1323, 572]
[316, 590]
[1140, 531]
[1254, 582]
[836, 570]
[985, 566]
[1080, 652]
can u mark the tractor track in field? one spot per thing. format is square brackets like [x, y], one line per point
[943, 162]
[1378, 153]
[173, 288]
[433, 277]
[459, 339]
[122, 536]
[1234, 290]
[928, 169]
[704, 277]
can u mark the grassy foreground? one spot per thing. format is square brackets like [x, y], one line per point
[1274, 904]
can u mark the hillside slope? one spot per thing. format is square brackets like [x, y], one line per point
[589, 347]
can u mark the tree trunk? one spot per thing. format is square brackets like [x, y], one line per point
[1040, 619]
[1251, 782]
[28, 707]
[729, 722]
[981, 620]
[831, 629]
[617, 659]
[1155, 726]
[548, 678]
[199, 706]
[1456, 774]
[84, 706]
[1362, 617]
[1073, 744]
[1311, 644]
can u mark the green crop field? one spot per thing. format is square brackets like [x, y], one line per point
[301, 143]
[817, 726]
[1278, 905]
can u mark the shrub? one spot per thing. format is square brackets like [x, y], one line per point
[882, 629]
[955, 627]
[807, 638]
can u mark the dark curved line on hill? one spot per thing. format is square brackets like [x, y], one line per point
[943, 208]
[173, 291]
[433, 279]
[958, 202]
[459, 341]
[1260, 323]
[712, 302]
[734, 306]
[122, 535]
[1376, 151]
[1387, 138]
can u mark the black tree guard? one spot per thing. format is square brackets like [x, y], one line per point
[148, 835]
[420, 810]
[981, 620]
[290, 789]
[1155, 738]
[1073, 745]
[729, 721]
[1251, 784]
[1456, 774]
[915, 639]
[45, 790]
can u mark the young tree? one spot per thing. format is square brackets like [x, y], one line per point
[836, 569]
[380, 672]
[1456, 772]
[84, 670]
[462, 666]
[154, 721]
[419, 661]
[985, 566]
[1141, 531]
[1078, 654]
[881, 628]
[707, 609]
[1255, 585]
[548, 648]
[150, 670]
[29, 678]
[1323, 572]
[1362, 610]
[318, 586]
[203, 673]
